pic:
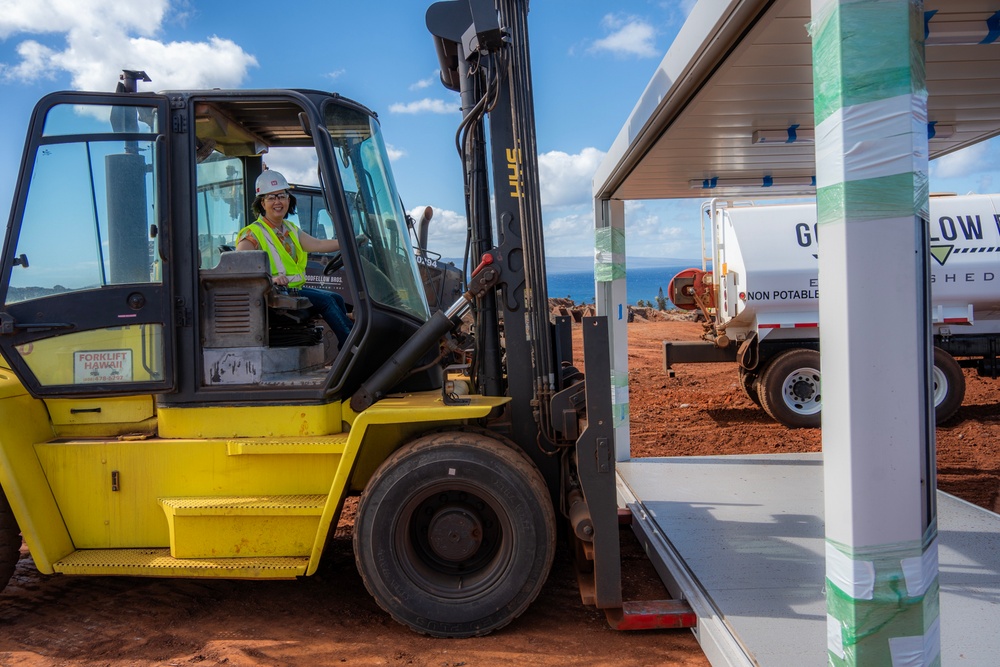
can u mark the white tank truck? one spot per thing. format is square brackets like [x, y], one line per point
[760, 299]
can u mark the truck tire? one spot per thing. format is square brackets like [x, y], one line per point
[949, 386]
[748, 382]
[455, 534]
[789, 388]
[10, 542]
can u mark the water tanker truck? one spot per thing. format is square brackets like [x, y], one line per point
[760, 300]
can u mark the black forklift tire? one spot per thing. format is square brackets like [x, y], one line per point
[748, 382]
[789, 388]
[10, 542]
[455, 534]
[948, 387]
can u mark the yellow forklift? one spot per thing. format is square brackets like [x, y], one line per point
[165, 411]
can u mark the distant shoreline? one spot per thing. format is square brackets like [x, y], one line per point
[560, 265]
[644, 286]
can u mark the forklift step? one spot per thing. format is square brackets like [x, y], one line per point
[244, 526]
[159, 563]
[323, 444]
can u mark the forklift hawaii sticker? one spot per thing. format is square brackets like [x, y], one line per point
[102, 366]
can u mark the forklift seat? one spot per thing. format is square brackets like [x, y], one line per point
[241, 308]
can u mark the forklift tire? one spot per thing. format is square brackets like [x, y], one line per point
[789, 388]
[10, 542]
[949, 386]
[455, 534]
[748, 382]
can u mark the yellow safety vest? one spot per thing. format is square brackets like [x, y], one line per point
[267, 240]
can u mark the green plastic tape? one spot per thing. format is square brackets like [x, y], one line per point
[901, 601]
[896, 196]
[609, 254]
[890, 64]
[620, 400]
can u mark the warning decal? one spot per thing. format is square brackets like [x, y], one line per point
[941, 253]
[102, 366]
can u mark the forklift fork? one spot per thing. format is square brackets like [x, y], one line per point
[595, 519]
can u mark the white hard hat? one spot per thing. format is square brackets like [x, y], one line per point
[270, 181]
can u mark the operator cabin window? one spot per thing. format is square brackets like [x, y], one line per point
[221, 205]
[87, 223]
[90, 182]
[310, 213]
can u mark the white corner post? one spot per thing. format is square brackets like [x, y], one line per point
[611, 300]
[878, 423]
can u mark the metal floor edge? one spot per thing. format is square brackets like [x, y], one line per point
[742, 539]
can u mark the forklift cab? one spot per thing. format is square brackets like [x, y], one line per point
[116, 276]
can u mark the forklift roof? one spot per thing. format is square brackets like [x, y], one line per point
[244, 123]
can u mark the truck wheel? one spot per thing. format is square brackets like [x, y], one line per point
[789, 389]
[949, 386]
[748, 382]
[455, 534]
[10, 542]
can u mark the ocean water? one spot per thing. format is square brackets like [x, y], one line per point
[642, 283]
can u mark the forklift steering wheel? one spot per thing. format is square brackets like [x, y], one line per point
[333, 265]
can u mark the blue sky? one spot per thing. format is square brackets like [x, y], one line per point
[591, 60]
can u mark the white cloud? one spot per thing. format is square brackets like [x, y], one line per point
[653, 228]
[567, 179]
[961, 163]
[428, 82]
[570, 235]
[646, 228]
[657, 229]
[425, 105]
[87, 16]
[297, 165]
[663, 228]
[629, 36]
[394, 153]
[103, 37]
[336, 74]
[34, 57]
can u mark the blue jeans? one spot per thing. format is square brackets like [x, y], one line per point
[331, 308]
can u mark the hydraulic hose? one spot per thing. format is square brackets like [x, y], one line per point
[403, 360]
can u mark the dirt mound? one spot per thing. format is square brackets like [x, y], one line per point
[578, 311]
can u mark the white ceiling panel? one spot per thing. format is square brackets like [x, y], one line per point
[744, 65]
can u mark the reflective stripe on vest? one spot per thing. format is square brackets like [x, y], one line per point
[268, 240]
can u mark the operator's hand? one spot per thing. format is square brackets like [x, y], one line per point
[281, 280]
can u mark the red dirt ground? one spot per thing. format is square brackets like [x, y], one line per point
[329, 619]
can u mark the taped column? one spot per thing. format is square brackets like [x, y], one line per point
[878, 434]
[611, 300]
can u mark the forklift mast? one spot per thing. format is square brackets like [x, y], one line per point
[482, 47]
[483, 53]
